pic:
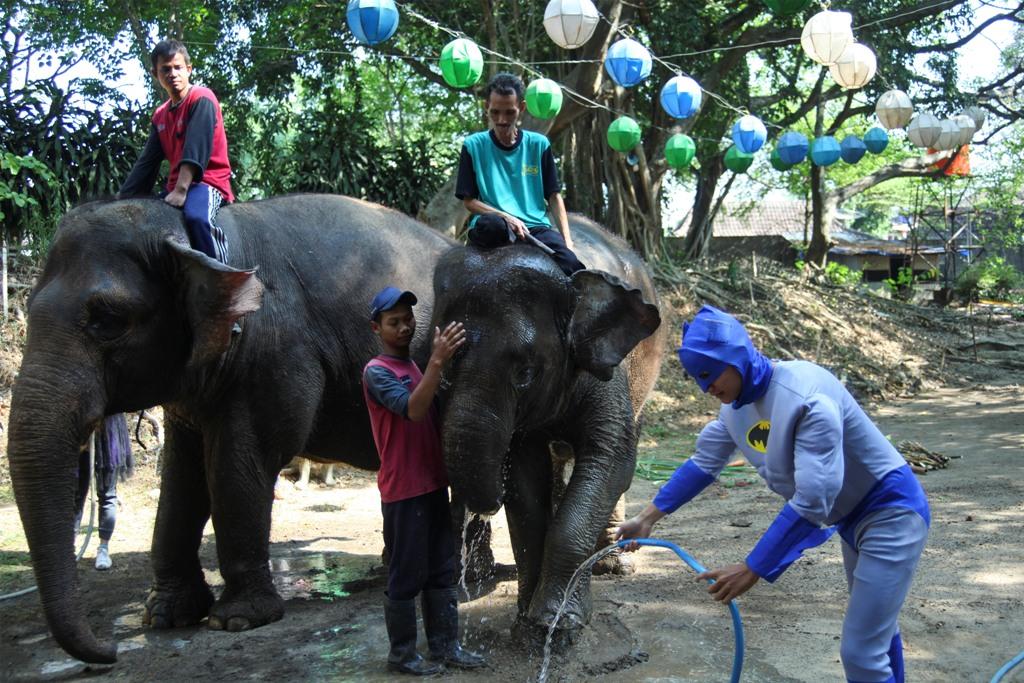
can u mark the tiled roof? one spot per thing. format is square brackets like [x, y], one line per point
[766, 218]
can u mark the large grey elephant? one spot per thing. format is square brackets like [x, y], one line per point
[543, 370]
[126, 316]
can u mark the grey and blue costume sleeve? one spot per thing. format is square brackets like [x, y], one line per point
[386, 390]
[714, 448]
[818, 472]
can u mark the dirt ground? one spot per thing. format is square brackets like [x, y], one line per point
[960, 622]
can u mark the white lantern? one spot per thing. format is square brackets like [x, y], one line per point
[978, 114]
[924, 130]
[826, 35]
[570, 23]
[966, 125]
[949, 135]
[855, 67]
[894, 109]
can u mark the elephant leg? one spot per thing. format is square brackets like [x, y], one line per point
[602, 471]
[617, 562]
[528, 511]
[242, 495]
[180, 595]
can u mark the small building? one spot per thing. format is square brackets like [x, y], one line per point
[780, 230]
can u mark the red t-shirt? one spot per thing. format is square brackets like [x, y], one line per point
[411, 462]
[171, 124]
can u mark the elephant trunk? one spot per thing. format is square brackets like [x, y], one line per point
[47, 428]
[475, 439]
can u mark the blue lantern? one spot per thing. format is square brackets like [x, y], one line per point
[825, 151]
[372, 21]
[876, 140]
[748, 134]
[852, 149]
[628, 62]
[792, 147]
[681, 97]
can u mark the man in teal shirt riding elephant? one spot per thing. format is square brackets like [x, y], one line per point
[508, 180]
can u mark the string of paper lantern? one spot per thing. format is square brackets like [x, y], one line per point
[827, 37]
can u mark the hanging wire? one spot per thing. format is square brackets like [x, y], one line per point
[579, 98]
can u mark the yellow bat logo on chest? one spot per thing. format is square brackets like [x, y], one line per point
[757, 436]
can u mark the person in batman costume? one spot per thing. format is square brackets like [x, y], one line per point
[813, 445]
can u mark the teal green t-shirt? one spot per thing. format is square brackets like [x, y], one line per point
[517, 180]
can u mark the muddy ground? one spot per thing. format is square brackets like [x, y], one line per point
[960, 623]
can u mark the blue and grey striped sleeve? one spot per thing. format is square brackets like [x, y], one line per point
[386, 390]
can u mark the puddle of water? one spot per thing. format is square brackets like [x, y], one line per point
[180, 643]
[59, 666]
[136, 643]
[129, 621]
[317, 576]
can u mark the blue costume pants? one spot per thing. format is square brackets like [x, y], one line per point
[201, 205]
[879, 570]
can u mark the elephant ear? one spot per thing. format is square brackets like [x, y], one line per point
[608, 321]
[214, 296]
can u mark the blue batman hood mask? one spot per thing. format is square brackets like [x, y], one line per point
[713, 341]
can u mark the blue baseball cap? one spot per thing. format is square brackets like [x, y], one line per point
[388, 298]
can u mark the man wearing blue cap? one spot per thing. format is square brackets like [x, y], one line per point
[413, 485]
[814, 446]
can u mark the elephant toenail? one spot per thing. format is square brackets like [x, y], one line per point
[238, 624]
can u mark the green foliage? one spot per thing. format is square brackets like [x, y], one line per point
[903, 283]
[989, 278]
[838, 274]
[13, 182]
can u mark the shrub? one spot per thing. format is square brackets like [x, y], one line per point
[838, 274]
[991, 278]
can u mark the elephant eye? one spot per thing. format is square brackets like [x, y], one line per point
[523, 377]
[105, 323]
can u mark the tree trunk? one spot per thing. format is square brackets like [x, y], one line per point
[3, 258]
[817, 251]
[698, 237]
[444, 212]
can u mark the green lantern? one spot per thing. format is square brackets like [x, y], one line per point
[777, 163]
[679, 151]
[737, 161]
[786, 7]
[461, 63]
[623, 134]
[543, 98]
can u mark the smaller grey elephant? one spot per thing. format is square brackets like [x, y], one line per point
[543, 365]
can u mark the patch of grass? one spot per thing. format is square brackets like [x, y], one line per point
[15, 571]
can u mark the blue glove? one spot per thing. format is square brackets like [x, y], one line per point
[783, 543]
[686, 482]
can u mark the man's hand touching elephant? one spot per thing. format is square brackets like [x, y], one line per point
[447, 342]
[638, 527]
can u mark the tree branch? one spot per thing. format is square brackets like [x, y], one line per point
[946, 47]
[917, 166]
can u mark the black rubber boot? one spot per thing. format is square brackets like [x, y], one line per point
[400, 617]
[441, 622]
